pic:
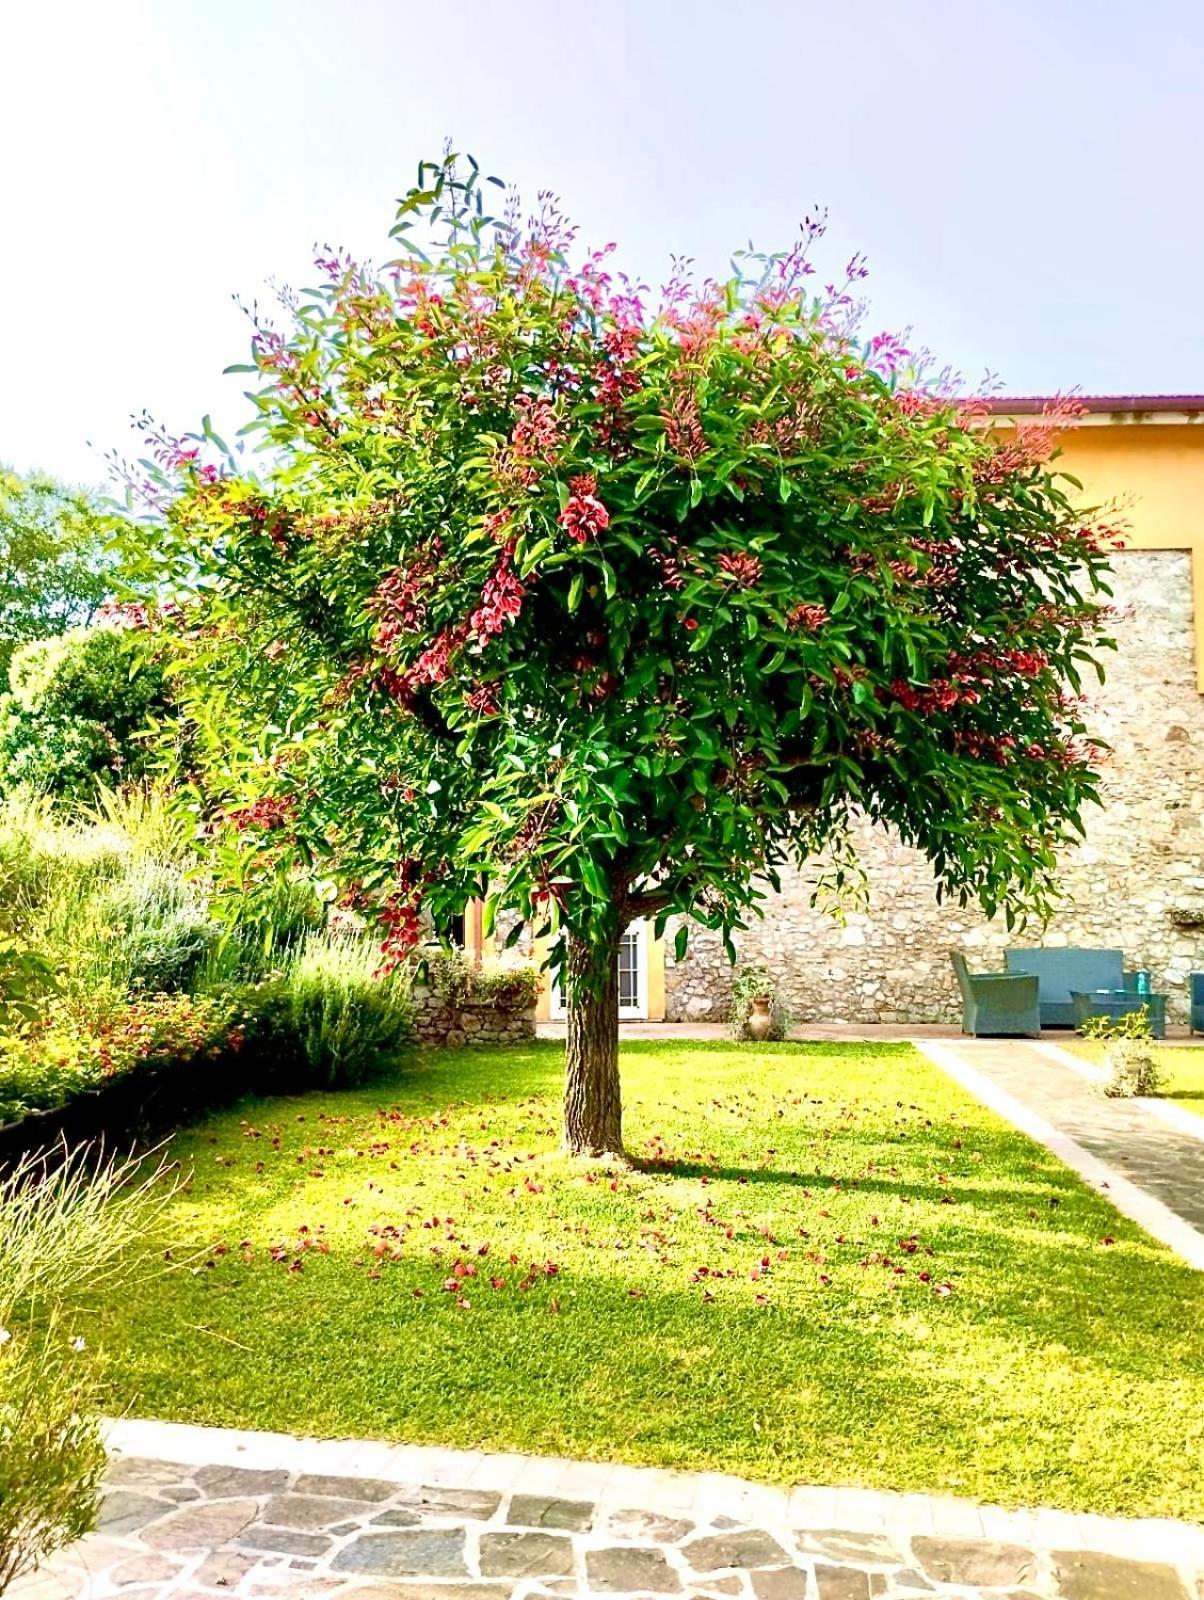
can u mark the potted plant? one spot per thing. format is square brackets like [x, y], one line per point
[758, 1011]
[1128, 1056]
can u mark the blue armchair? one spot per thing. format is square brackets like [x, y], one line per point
[1061, 971]
[997, 1002]
[1195, 984]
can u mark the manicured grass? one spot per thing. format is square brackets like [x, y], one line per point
[1182, 1068]
[832, 1267]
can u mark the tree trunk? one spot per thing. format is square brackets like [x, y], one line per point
[593, 1106]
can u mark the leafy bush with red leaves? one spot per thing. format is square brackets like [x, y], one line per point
[76, 1046]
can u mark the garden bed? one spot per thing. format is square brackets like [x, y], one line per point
[828, 1265]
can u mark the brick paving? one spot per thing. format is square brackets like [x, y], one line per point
[265, 1515]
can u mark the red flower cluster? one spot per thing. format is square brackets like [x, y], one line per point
[403, 931]
[273, 523]
[683, 422]
[809, 618]
[501, 599]
[483, 700]
[1103, 536]
[942, 694]
[584, 516]
[995, 747]
[1026, 663]
[674, 563]
[400, 917]
[400, 602]
[271, 811]
[617, 381]
[743, 569]
[434, 665]
[497, 526]
[536, 432]
[123, 614]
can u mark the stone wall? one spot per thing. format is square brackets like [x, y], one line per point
[441, 1020]
[1137, 882]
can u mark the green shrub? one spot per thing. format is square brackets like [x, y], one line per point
[462, 982]
[27, 979]
[1131, 1069]
[1129, 1025]
[327, 1020]
[258, 942]
[1128, 1059]
[77, 707]
[66, 1227]
[52, 1457]
[161, 927]
[44, 858]
[112, 897]
[78, 1045]
[56, 557]
[105, 932]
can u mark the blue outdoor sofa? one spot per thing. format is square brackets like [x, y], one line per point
[1058, 972]
[997, 1002]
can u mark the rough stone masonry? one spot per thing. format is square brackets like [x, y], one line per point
[1137, 882]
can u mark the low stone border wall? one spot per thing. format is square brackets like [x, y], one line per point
[440, 1019]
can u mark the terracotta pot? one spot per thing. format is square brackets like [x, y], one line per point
[760, 1017]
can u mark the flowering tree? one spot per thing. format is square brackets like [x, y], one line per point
[605, 610]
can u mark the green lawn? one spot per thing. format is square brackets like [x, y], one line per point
[1182, 1068]
[831, 1266]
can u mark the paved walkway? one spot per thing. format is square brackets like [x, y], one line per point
[830, 1032]
[197, 1513]
[1150, 1165]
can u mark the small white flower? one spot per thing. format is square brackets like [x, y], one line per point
[5, 1336]
[77, 1344]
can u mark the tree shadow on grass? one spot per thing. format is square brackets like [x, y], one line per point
[823, 1183]
[874, 1375]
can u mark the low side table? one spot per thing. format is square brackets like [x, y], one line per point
[1119, 1003]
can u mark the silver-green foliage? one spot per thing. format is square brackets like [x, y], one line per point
[68, 1223]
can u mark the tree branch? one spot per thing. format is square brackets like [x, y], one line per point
[646, 905]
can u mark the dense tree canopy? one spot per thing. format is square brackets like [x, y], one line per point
[55, 558]
[603, 606]
[77, 710]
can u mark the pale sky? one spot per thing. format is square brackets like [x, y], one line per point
[1025, 177]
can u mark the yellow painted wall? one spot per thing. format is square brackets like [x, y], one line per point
[1154, 472]
[654, 955]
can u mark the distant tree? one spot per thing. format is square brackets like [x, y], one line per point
[606, 610]
[55, 558]
[77, 710]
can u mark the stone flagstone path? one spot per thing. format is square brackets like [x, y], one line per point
[198, 1513]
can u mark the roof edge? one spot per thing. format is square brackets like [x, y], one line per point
[1149, 404]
